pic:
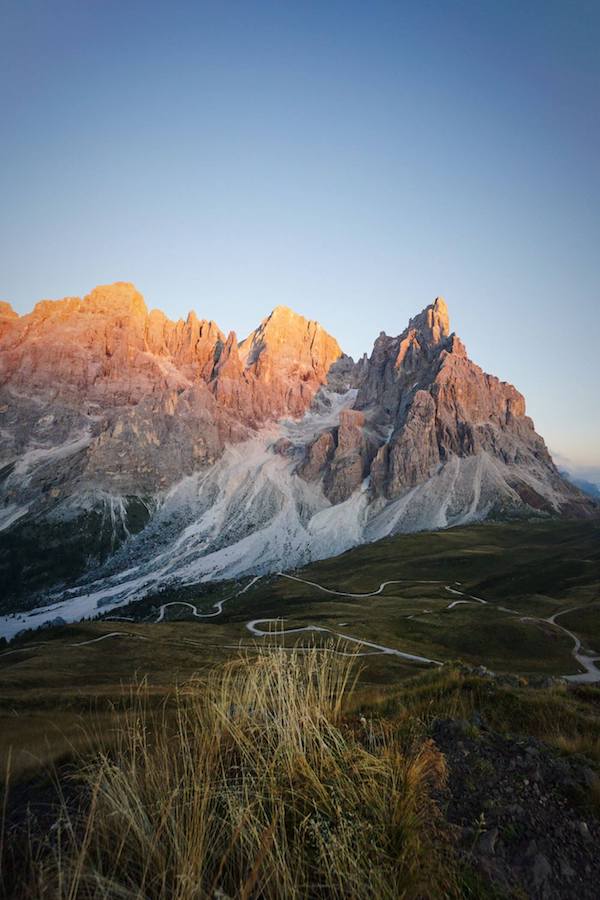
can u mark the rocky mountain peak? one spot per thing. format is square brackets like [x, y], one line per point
[229, 364]
[7, 316]
[7, 311]
[429, 410]
[120, 298]
[281, 325]
[433, 323]
[282, 313]
[108, 348]
[291, 344]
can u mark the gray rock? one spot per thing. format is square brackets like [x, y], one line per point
[487, 842]
[584, 831]
[542, 870]
[566, 871]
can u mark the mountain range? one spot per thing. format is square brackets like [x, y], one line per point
[137, 452]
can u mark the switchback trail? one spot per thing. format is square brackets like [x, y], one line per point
[592, 672]
[383, 585]
[585, 660]
[218, 606]
[253, 628]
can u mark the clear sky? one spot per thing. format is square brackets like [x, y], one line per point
[349, 159]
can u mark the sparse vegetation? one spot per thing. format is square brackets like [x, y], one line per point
[567, 718]
[253, 785]
[285, 772]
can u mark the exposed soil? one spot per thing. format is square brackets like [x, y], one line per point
[523, 816]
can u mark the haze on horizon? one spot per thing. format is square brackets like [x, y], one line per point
[351, 161]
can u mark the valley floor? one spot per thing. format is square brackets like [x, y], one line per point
[496, 626]
[519, 598]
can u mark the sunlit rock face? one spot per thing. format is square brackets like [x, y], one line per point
[153, 399]
[276, 370]
[203, 457]
[7, 317]
[102, 401]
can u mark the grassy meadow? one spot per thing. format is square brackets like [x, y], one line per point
[79, 702]
[52, 678]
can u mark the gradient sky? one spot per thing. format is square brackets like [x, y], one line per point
[351, 160]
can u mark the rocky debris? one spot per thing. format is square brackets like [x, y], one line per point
[100, 395]
[509, 679]
[520, 813]
[105, 407]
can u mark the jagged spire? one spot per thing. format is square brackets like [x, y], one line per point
[433, 322]
[287, 341]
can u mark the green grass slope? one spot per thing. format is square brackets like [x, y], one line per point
[51, 679]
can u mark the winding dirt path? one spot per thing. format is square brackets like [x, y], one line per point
[110, 634]
[381, 587]
[471, 598]
[587, 661]
[377, 649]
[218, 606]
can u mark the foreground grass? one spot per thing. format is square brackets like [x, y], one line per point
[252, 784]
[279, 773]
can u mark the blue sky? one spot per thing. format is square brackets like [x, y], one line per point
[351, 160]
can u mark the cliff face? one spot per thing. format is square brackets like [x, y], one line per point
[107, 348]
[115, 420]
[422, 403]
[151, 399]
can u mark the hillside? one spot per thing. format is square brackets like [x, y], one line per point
[137, 453]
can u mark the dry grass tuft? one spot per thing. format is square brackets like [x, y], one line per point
[254, 787]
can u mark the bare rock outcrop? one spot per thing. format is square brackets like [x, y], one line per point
[412, 452]
[351, 459]
[318, 455]
[7, 317]
[287, 359]
[102, 400]
[423, 403]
